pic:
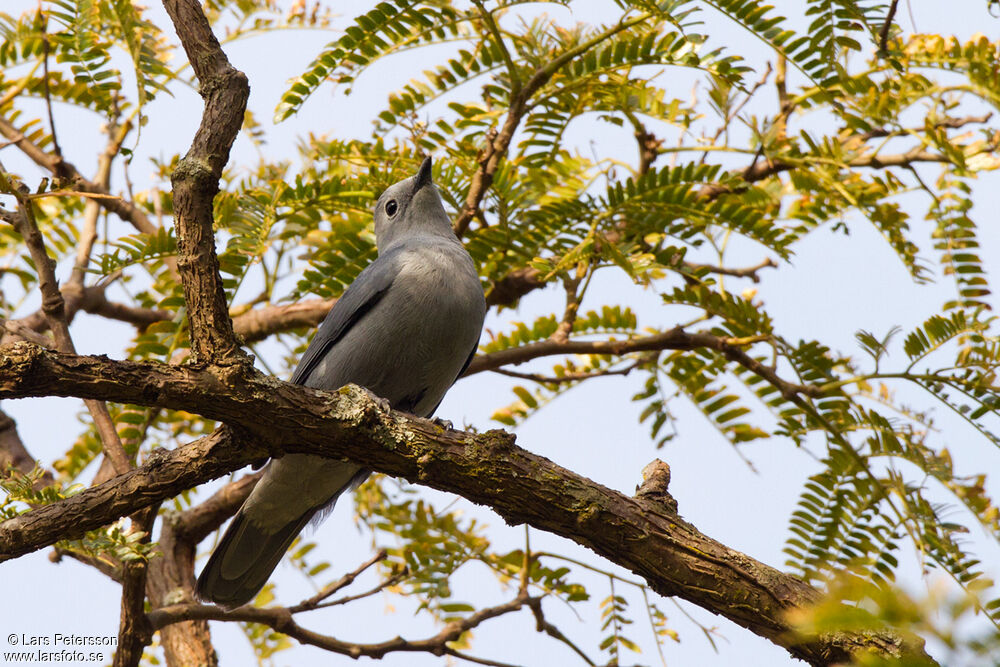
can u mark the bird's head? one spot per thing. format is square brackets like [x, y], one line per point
[410, 207]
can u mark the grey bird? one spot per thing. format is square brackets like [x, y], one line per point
[405, 329]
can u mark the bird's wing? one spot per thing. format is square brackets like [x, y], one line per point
[468, 361]
[366, 291]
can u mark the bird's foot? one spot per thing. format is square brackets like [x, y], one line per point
[443, 423]
[383, 404]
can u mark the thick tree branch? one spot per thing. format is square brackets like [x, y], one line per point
[171, 581]
[637, 533]
[196, 182]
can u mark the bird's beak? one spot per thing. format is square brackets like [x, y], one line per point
[423, 176]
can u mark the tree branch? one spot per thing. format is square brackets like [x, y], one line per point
[54, 309]
[134, 631]
[92, 209]
[497, 142]
[259, 323]
[281, 619]
[14, 454]
[746, 272]
[883, 34]
[125, 210]
[637, 533]
[675, 339]
[317, 600]
[196, 182]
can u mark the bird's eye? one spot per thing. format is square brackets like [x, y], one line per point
[391, 207]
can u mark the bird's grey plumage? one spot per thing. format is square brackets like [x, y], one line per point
[406, 329]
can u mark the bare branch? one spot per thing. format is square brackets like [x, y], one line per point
[497, 142]
[514, 285]
[315, 601]
[125, 210]
[570, 377]
[748, 272]
[377, 588]
[542, 625]
[112, 570]
[45, 89]
[281, 619]
[944, 123]
[88, 235]
[675, 339]
[883, 35]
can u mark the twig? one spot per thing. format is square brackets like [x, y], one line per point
[569, 377]
[883, 36]
[674, 339]
[346, 580]
[45, 88]
[112, 570]
[88, 235]
[542, 625]
[944, 123]
[748, 272]
[491, 25]
[497, 142]
[739, 107]
[474, 659]
[378, 588]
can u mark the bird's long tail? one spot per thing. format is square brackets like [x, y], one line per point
[293, 490]
[244, 559]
